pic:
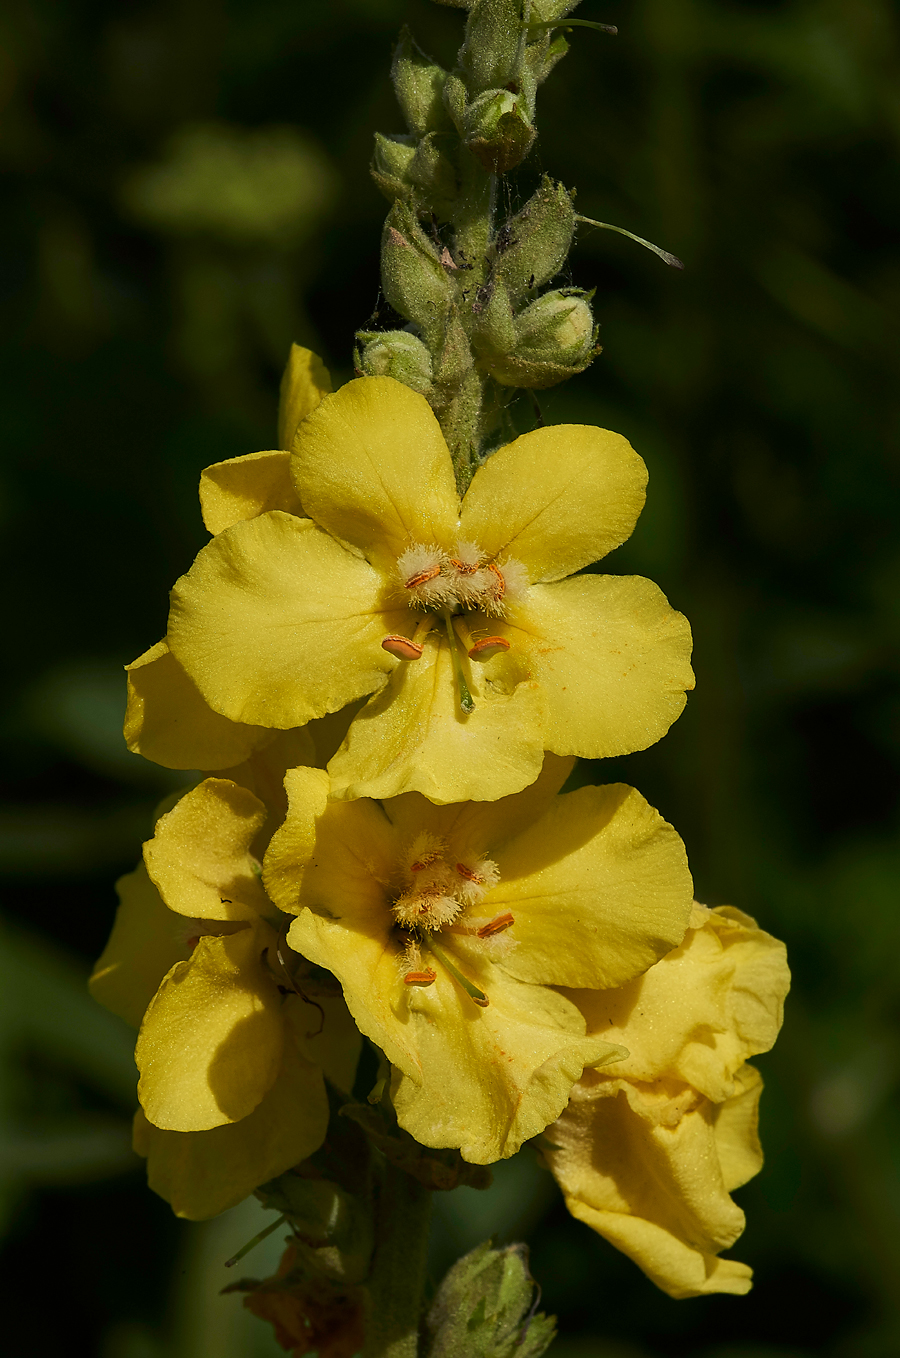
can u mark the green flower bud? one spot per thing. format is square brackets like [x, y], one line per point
[556, 339]
[418, 174]
[532, 246]
[412, 276]
[495, 333]
[483, 1309]
[547, 11]
[419, 87]
[497, 130]
[399, 354]
[455, 100]
[390, 164]
[495, 40]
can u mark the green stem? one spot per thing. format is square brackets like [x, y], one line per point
[398, 1269]
[466, 701]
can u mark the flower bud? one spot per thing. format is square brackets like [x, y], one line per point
[390, 164]
[418, 174]
[532, 246]
[398, 354]
[555, 340]
[419, 87]
[484, 1308]
[412, 277]
[495, 39]
[498, 131]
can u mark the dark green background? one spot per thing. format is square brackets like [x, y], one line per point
[757, 140]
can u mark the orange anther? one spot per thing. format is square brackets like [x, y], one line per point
[427, 977]
[402, 647]
[464, 567]
[488, 646]
[425, 861]
[423, 577]
[496, 926]
[469, 874]
[500, 587]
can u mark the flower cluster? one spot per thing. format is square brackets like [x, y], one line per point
[386, 684]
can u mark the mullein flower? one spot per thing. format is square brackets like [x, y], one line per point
[467, 620]
[450, 927]
[231, 1049]
[648, 1154]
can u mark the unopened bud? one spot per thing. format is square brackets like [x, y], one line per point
[412, 276]
[532, 246]
[491, 54]
[556, 340]
[419, 87]
[390, 164]
[397, 354]
[498, 131]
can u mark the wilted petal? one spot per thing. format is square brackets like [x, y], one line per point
[639, 1164]
[721, 992]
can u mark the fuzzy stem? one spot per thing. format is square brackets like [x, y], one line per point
[397, 1280]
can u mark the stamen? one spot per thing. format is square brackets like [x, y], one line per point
[423, 577]
[466, 701]
[420, 978]
[496, 926]
[470, 874]
[478, 996]
[487, 647]
[402, 647]
[500, 586]
[464, 567]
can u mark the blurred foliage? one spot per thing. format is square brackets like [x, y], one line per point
[185, 191]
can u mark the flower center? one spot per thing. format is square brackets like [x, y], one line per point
[449, 585]
[440, 893]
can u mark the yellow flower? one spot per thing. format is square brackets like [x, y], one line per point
[457, 617]
[231, 1056]
[649, 1156]
[448, 928]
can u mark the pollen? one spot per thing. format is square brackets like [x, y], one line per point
[404, 648]
[420, 978]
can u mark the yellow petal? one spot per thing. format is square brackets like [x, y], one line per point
[200, 859]
[599, 888]
[203, 1173]
[414, 737]
[639, 1165]
[335, 856]
[488, 1079]
[612, 657]
[168, 721]
[480, 829]
[244, 487]
[276, 623]
[306, 380]
[371, 466]
[211, 1042]
[736, 1127]
[556, 499]
[263, 773]
[721, 992]
[146, 941]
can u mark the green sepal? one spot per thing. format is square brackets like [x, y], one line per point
[483, 1309]
[532, 247]
[395, 353]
